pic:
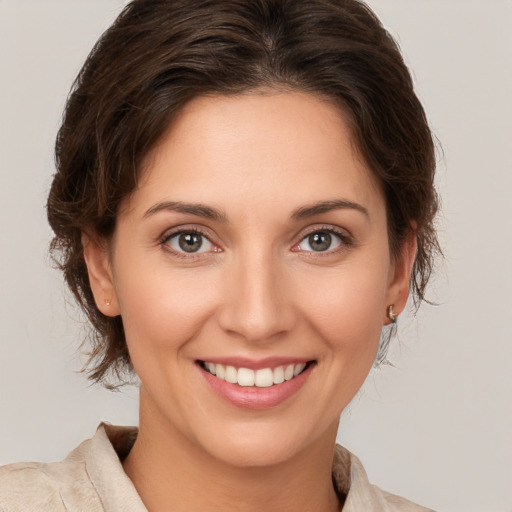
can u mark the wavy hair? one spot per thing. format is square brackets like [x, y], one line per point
[159, 54]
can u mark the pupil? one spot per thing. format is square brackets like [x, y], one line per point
[190, 242]
[320, 241]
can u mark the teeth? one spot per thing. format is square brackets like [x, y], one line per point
[279, 375]
[263, 378]
[231, 375]
[298, 369]
[245, 377]
[220, 372]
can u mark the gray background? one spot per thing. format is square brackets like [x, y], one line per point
[436, 427]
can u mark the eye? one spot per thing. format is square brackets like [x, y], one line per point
[321, 241]
[189, 242]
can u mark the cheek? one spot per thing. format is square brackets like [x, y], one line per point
[346, 307]
[162, 310]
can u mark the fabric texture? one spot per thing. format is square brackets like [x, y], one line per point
[91, 479]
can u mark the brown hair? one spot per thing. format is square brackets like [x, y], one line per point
[159, 54]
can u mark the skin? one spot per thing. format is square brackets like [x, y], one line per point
[258, 289]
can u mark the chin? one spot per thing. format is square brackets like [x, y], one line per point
[253, 454]
[253, 446]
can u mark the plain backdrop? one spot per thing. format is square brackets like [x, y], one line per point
[437, 426]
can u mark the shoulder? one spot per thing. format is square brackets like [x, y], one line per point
[91, 478]
[25, 486]
[397, 503]
[360, 495]
[48, 487]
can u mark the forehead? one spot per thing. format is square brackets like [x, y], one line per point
[258, 147]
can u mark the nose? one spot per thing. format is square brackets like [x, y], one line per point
[257, 305]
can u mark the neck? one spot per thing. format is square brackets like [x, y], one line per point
[204, 483]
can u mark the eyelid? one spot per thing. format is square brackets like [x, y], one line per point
[342, 232]
[178, 230]
[344, 235]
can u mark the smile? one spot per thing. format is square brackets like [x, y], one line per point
[261, 378]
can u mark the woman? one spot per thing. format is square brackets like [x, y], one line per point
[243, 201]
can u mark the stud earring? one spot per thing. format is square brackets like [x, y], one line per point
[108, 302]
[390, 311]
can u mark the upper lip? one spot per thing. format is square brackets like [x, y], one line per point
[256, 364]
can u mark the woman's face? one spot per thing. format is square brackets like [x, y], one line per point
[255, 246]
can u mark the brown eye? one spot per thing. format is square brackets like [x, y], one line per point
[190, 242]
[321, 241]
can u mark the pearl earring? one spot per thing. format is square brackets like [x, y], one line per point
[390, 311]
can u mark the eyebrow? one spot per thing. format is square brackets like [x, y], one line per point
[201, 210]
[327, 206]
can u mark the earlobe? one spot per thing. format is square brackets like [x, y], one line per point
[97, 259]
[398, 290]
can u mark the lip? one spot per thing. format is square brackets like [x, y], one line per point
[254, 397]
[252, 364]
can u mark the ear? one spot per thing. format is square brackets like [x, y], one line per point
[97, 259]
[400, 275]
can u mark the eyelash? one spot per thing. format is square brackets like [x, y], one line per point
[346, 241]
[192, 230]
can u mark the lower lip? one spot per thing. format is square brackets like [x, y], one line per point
[254, 397]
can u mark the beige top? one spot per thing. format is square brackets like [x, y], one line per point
[91, 479]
